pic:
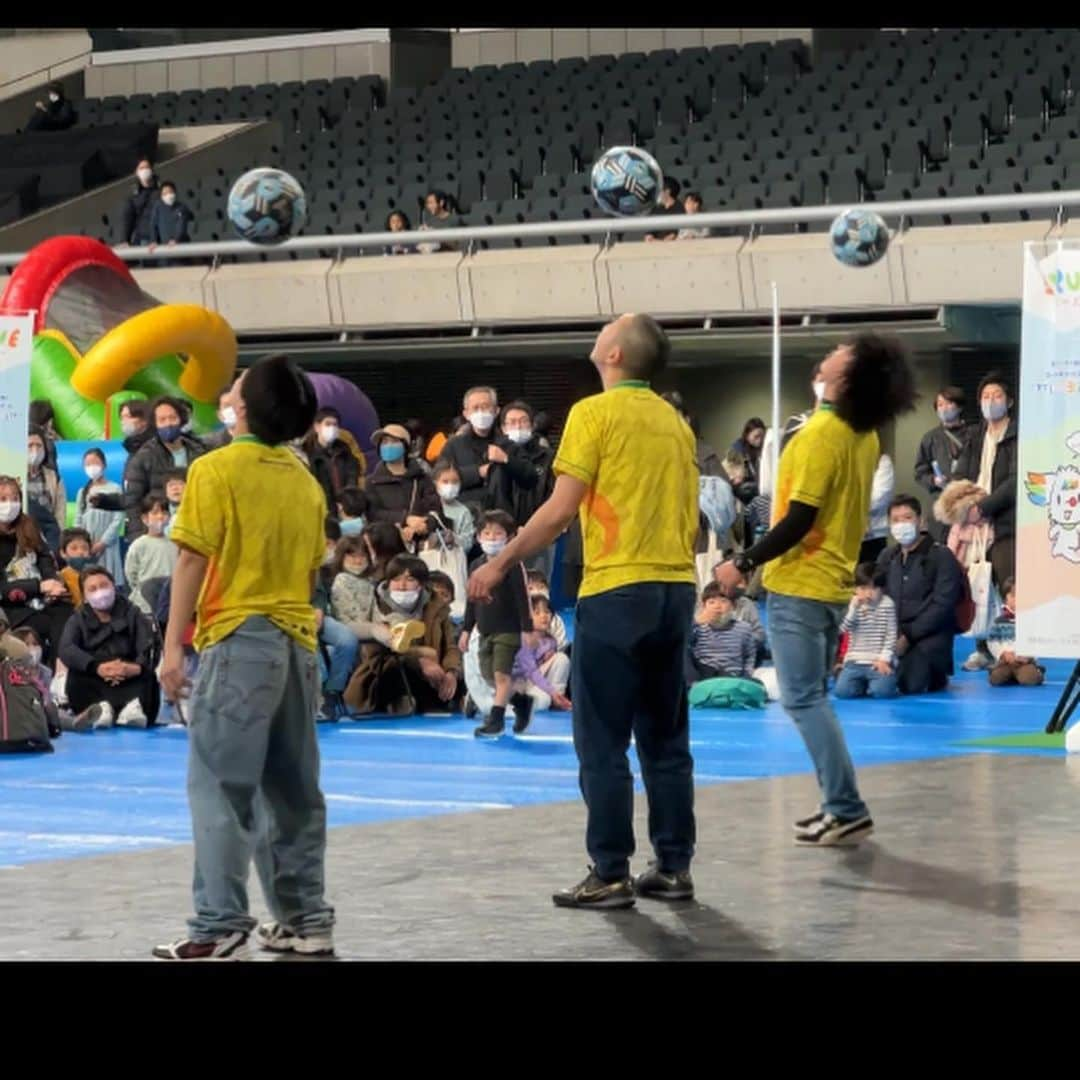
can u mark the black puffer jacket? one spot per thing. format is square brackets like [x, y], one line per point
[925, 587]
[393, 498]
[335, 467]
[525, 481]
[145, 472]
[137, 227]
[88, 642]
[1000, 505]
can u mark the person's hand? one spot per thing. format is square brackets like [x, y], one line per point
[939, 481]
[1008, 657]
[381, 633]
[97, 547]
[561, 701]
[174, 680]
[53, 589]
[431, 671]
[418, 525]
[902, 645]
[728, 576]
[320, 616]
[463, 641]
[407, 533]
[882, 667]
[484, 470]
[39, 105]
[497, 455]
[701, 618]
[448, 687]
[483, 582]
[112, 672]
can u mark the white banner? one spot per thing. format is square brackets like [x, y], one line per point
[16, 347]
[1048, 477]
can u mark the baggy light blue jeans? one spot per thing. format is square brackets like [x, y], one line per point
[253, 784]
[803, 635]
[342, 646]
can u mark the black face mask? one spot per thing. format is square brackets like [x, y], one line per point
[79, 562]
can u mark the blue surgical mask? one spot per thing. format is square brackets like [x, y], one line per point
[351, 526]
[170, 434]
[391, 451]
[492, 547]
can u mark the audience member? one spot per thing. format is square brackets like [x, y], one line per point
[721, 645]
[537, 585]
[42, 416]
[135, 425]
[75, 553]
[352, 511]
[170, 219]
[330, 459]
[692, 204]
[338, 645]
[747, 611]
[43, 484]
[440, 212]
[454, 512]
[667, 204]
[540, 670]
[870, 624]
[1008, 666]
[881, 493]
[525, 481]
[383, 541]
[925, 583]
[64, 719]
[939, 452]
[397, 221]
[748, 447]
[227, 416]
[474, 448]
[137, 228]
[400, 491]
[103, 526]
[55, 113]
[152, 557]
[353, 579]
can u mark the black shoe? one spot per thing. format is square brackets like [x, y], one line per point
[594, 892]
[469, 707]
[523, 710]
[657, 884]
[832, 831]
[490, 729]
[330, 710]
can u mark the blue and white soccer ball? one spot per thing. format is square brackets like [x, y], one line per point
[267, 206]
[626, 181]
[859, 237]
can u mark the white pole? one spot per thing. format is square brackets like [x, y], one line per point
[775, 386]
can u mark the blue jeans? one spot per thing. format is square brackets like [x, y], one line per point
[341, 645]
[861, 680]
[628, 678]
[803, 635]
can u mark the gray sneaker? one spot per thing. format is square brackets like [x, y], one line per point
[594, 892]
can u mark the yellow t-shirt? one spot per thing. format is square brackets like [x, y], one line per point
[639, 518]
[828, 465]
[257, 514]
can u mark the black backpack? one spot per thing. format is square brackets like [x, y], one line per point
[24, 716]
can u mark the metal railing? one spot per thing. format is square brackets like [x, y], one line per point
[599, 227]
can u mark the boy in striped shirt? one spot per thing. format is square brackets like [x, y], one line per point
[870, 623]
[720, 645]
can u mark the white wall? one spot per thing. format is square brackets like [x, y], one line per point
[34, 57]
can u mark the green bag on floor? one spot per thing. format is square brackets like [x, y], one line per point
[727, 694]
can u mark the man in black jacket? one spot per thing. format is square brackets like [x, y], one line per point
[137, 226]
[331, 461]
[168, 449]
[939, 452]
[475, 449]
[54, 114]
[925, 582]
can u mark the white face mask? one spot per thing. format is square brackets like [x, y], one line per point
[519, 435]
[144, 175]
[35, 653]
[994, 410]
[481, 421]
[94, 471]
[328, 433]
[819, 389]
[228, 417]
[405, 598]
[35, 458]
[492, 547]
[168, 199]
[9, 511]
[155, 528]
[129, 427]
[101, 599]
[449, 492]
[904, 532]
[54, 98]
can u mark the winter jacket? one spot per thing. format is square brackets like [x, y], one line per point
[468, 451]
[925, 586]
[1000, 505]
[88, 642]
[335, 467]
[137, 227]
[22, 573]
[145, 472]
[940, 447]
[394, 498]
[56, 116]
[881, 493]
[170, 223]
[524, 483]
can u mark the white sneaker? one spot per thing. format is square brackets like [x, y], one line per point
[978, 661]
[106, 718]
[278, 938]
[132, 715]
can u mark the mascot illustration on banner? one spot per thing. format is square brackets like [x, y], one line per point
[1059, 492]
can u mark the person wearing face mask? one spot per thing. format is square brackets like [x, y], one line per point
[525, 481]
[422, 677]
[454, 512]
[137, 219]
[43, 484]
[135, 425]
[939, 453]
[925, 583]
[226, 414]
[151, 559]
[55, 113]
[170, 220]
[75, 554]
[476, 448]
[167, 450]
[400, 492]
[103, 526]
[32, 592]
[330, 459]
[352, 590]
[338, 645]
[108, 648]
[42, 416]
[353, 507]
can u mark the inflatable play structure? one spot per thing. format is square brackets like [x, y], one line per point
[100, 340]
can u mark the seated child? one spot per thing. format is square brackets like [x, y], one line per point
[175, 482]
[747, 610]
[421, 675]
[338, 645]
[538, 586]
[721, 645]
[75, 552]
[152, 556]
[540, 670]
[500, 625]
[88, 719]
[352, 591]
[870, 623]
[352, 511]
[1008, 667]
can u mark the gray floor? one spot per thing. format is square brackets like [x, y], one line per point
[974, 858]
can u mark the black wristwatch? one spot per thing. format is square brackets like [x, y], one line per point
[743, 563]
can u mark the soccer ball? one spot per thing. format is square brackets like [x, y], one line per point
[859, 237]
[267, 206]
[626, 181]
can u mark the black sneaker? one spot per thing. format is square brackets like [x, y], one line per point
[490, 729]
[469, 707]
[594, 892]
[657, 884]
[523, 710]
[231, 947]
[832, 831]
[809, 824]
